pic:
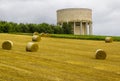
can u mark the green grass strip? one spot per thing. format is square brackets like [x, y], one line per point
[84, 37]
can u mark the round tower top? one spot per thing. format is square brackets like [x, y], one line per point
[75, 9]
[74, 15]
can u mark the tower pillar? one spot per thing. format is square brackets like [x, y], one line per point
[90, 28]
[74, 27]
[81, 30]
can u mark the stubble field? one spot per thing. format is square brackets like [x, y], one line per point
[58, 59]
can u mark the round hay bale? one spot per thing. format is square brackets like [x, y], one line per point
[36, 38]
[45, 35]
[32, 47]
[100, 54]
[35, 33]
[7, 45]
[108, 39]
[42, 34]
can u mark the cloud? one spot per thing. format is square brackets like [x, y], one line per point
[106, 13]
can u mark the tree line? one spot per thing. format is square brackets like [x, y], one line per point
[11, 27]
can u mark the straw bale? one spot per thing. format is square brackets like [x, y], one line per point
[45, 35]
[36, 38]
[35, 33]
[42, 34]
[108, 39]
[100, 54]
[32, 47]
[7, 45]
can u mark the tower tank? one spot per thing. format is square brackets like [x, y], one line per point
[80, 18]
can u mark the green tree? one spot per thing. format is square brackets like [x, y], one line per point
[12, 27]
[58, 30]
[32, 28]
[67, 28]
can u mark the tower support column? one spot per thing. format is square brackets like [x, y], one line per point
[81, 30]
[74, 28]
[90, 29]
[86, 27]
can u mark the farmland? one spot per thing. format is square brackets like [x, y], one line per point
[58, 59]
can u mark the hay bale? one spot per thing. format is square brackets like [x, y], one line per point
[7, 45]
[100, 54]
[108, 39]
[35, 33]
[45, 35]
[36, 38]
[42, 34]
[32, 47]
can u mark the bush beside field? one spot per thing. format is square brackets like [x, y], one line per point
[84, 37]
[71, 36]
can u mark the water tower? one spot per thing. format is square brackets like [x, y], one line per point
[79, 18]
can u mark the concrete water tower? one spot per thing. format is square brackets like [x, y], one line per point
[79, 18]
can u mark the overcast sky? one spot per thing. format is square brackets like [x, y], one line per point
[105, 13]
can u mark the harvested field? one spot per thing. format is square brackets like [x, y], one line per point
[58, 59]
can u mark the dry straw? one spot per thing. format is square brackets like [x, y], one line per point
[35, 33]
[100, 54]
[42, 34]
[108, 39]
[7, 45]
[45, 35]
[32, 47]
[36, 38]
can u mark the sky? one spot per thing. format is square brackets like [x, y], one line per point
[105, 13]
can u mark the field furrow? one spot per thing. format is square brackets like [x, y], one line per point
[58, 59]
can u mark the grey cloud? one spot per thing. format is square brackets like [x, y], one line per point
[106, 13]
